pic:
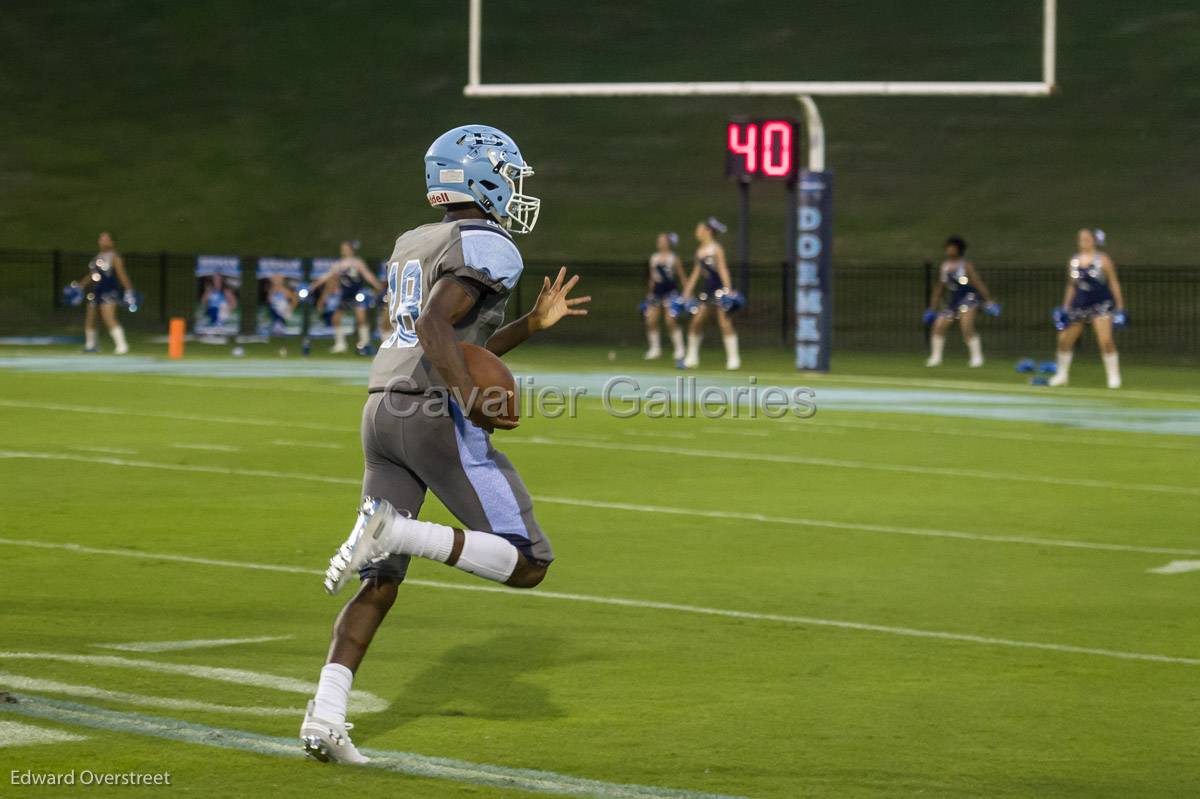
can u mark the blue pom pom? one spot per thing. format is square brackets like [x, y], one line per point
[1048, 367]
[1026, 366]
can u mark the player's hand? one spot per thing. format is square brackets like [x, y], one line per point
[552, 302]
[480, 418]
[929, 316]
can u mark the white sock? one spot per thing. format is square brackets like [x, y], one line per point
[677, 343]
[975, 347]
[487, 556]
[937, 344]
[483, 554]
[364, 336]
[1112, 368]
[1063, 361]
[732, 358]
[333, 693]
[339, 339]
[118, 336]
[693, 349]
[655, 340]
[89, 339]
[420, 539]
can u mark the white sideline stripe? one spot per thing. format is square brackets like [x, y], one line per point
[197, 643]
[850, 464]
[282, 442]
[208, 447]
[13, 733]
[106, 450]
[18, 682]
[910, 632]
[586, 503]
[362, 701]
[400, 762]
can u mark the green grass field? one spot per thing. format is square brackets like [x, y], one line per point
[862, 604]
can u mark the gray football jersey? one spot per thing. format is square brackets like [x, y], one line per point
[481, 256]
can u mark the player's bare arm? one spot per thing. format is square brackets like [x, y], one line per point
[551, 305]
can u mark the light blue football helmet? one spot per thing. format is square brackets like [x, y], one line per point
[482, 165]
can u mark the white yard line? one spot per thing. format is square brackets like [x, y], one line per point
[1177, 567]
[281, 442]
[19, 682]
[402, 762]
[361, 701]
[803, 621]
[839, 463]
[207, 447]
[14, 733]
[196, 643]
[107, 450]
[641, 508]
[175, 417]
[967, 434]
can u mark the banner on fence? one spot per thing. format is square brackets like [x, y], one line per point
[278, 286]
[218, 280]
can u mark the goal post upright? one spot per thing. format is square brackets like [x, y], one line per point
[810, 209]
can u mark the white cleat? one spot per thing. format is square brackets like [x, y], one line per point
[1060, 379]
[338, 348]
[328, 742]
[733, 364]
[690, 362]
[1114, 382]
[652, 354]
[931, 362]
[361, 546]
[975, 364]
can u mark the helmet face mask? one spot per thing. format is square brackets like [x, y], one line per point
[481, 165]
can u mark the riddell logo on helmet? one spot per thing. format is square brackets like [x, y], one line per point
[439, 198]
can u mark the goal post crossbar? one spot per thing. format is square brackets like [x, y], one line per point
[475, 87]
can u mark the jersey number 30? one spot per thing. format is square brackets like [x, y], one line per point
[404, 302]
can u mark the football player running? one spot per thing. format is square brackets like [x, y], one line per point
[448, 282]
[665, 280]
[102, 288]
[1093, 295]
[343, 284]
[717, 292]
[960, 283]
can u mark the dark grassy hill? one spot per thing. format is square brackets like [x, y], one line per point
[282, 126]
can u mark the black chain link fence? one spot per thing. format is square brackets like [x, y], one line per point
[877, 306]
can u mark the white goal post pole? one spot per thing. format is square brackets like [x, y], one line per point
[1049, 44]
[814, 127]
[474, 44]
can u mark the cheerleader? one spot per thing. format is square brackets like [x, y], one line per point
[1093, 295]
[346, 278]
[963, 288]
[665, 280]
[711, 268]
[102, 288]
